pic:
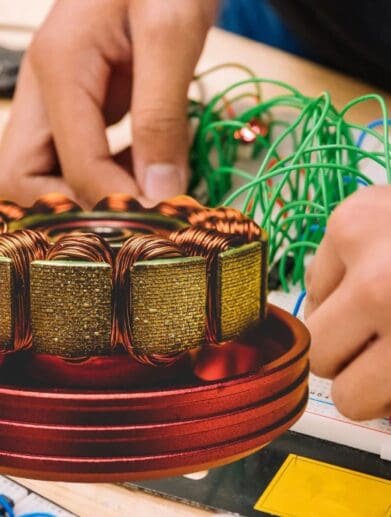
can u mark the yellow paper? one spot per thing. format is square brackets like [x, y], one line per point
[308, 488]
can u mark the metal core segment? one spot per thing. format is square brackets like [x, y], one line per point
[168, 305]
[239, 303]
[71, 303]
[6, 305]
[71, 308]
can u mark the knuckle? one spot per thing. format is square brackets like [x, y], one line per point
[350, 219]
[375, 284]
[347, 405]
[179, 18]
[342, 226]
[320, 368]
[51, 45]
[320, 363]
[39, 46]
[309, 308]
[154, 121]
[309, 280]
[159, 26]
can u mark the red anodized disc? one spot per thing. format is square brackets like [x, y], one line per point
[261, 381]
[134, 434]
[148, 439]
[128, 468]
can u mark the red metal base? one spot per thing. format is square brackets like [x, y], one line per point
[237, 398]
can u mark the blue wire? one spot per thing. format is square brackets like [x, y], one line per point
[298, 303]
[37, 514]
[316, 227]
[360, 181]
[374, 124]
[5, 505]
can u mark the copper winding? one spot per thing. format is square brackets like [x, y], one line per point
[180, 207]
[226, 220]
[3, 225]
[136, 248]
[208, 243]
[54, 203]
[89, 247]
[213, 231]
[22, 247]
[10, 211]
[118, 203]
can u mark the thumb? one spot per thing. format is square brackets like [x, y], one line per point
[167, 40]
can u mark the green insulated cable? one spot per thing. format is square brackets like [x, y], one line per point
[306, 157]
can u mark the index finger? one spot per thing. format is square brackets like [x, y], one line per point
[75, 112]
[27, 157]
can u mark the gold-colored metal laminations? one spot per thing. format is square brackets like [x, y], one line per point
[168, 305]
[6, 305]
[170, 308]
[238, 289]
[71, 308]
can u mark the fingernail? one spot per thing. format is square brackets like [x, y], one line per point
[162, 181]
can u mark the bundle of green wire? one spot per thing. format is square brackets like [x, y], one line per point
[307, 156]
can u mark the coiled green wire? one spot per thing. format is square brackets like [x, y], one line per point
[294, 190]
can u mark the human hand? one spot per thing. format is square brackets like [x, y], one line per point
[88, 64]
[348, 308]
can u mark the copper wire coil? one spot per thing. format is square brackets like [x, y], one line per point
[81, 246]
[3, 225]
[135, 249]
[10, 211]
[208, 243]
[214, 231]
[54, 203]
[118, 203]
[226, 220]
[111, 238]
[180, 207]
[22, 247]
